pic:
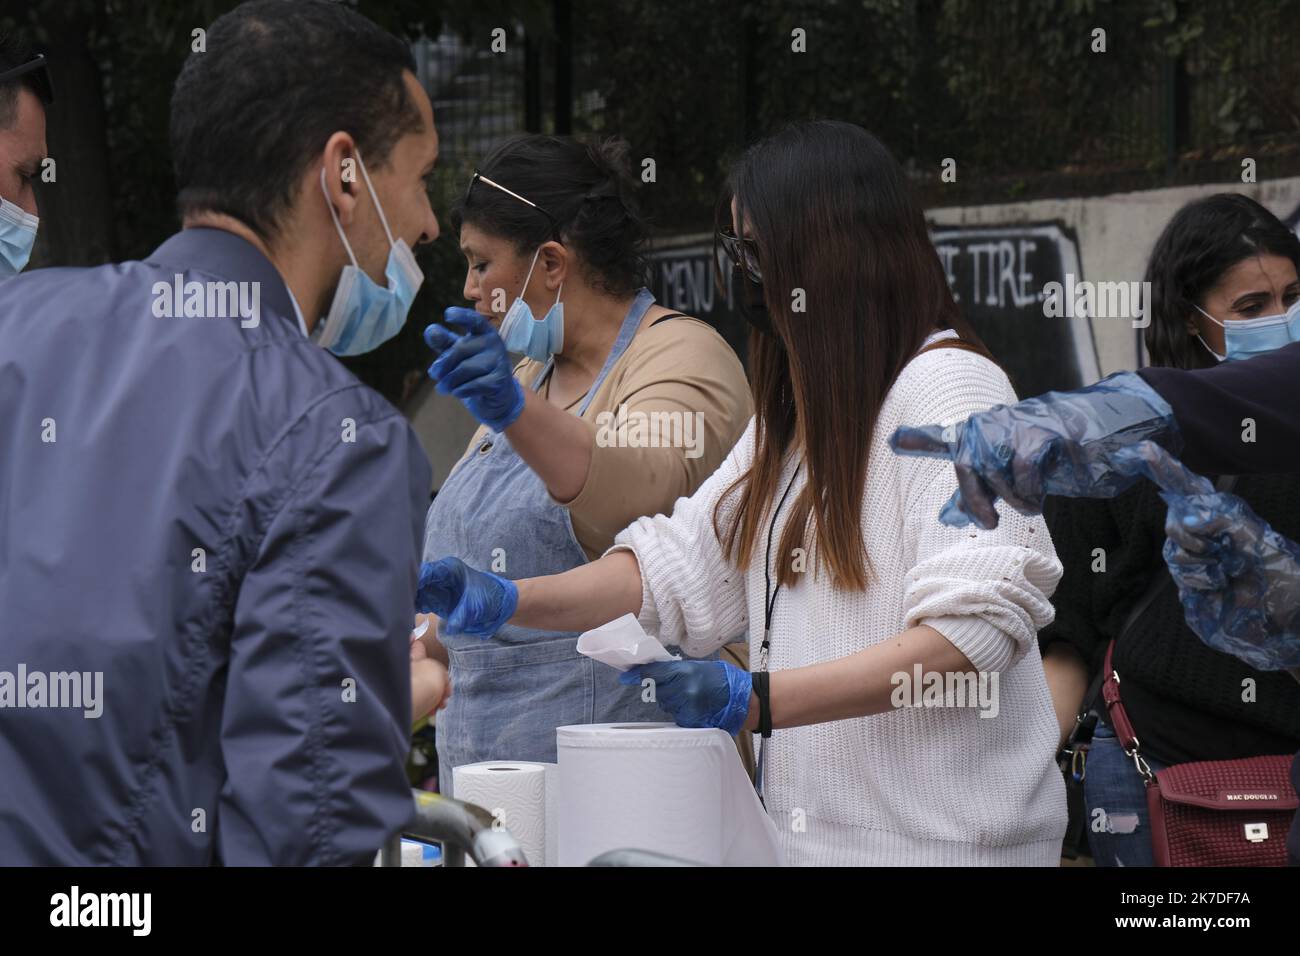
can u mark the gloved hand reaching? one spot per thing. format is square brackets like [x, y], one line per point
[473, 365]
[1238, 579]
[468, 601]
[698, 693]
[1060, 443]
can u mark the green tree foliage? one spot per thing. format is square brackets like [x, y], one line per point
[1014, 90]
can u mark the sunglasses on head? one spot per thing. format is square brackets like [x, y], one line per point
[742, 252]
[480, 178]
[39, 69]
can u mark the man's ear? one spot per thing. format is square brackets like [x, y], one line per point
[556, 260]
[342, 175]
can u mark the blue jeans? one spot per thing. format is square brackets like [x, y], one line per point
[1119, 827]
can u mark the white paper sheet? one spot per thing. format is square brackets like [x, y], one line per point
[622, 644]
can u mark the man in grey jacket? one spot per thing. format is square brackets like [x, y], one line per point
[209, 529]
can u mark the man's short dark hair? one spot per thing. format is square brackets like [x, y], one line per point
[276, 80]
[14, 52]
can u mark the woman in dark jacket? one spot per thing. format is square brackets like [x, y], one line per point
[1221, 262]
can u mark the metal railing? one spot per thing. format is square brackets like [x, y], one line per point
[463, 829]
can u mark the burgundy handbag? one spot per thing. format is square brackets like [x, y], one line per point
[1211, 812]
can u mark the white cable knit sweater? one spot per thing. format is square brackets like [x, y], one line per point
[915, 785]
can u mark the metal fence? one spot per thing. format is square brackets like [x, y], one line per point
[1018, 97]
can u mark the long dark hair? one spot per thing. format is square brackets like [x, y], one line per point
[834, 219]
[1205, 239]
[587, 187]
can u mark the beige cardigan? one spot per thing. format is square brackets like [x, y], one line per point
[639, 466]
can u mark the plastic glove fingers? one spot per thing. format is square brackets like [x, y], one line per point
[1243, 531]
[468, 616]
[1206, 578]
[925, 441]
[671, 692]
[467, 321]
[953, 513]
[631, 677]
[660, 670]
[1171, 475]
[1189, 549]
[1009, 461]
[1023, 482]
[441, 583]
[973, 499]
[439, 338]
[455, 622]
[488, 371]
[1192, 571]
[484, 371]
[1196, 528]
[451, 356]
[446, 569]
[495, 600]
[467, 348]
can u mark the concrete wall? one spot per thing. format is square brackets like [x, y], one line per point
[1113, 236]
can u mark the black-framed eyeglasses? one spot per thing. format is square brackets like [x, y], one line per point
[742, 252]
[479, 177]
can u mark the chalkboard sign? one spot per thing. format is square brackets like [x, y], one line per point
[998, 275]
[682, 279]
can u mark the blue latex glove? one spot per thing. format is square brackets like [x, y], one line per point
[468, 601]
[473, 365]
[1238, 579]
[698, 693]
[1060, 443]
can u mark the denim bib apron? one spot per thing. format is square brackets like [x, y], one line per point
[511, 691]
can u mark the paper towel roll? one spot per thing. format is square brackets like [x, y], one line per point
[521, 794]
[552, 811]
[660, 787]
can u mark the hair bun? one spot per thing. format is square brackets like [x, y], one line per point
[612, 158]
[605, 190]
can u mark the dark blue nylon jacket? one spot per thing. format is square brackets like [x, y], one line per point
[220, 526]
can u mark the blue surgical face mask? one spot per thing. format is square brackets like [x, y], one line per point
[1246, 338]
[363, 316]
[17, 234]
[538, 339]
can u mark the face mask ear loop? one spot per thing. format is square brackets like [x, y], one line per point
[335, 216]
[1205, 345]
[558, 292]
[530, 272]
[378, 208]
[1208, 316]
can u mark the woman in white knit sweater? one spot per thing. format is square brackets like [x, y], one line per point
[822, 545]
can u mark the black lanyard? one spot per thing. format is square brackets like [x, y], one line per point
[769, 603]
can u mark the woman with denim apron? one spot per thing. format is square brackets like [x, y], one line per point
[509, 506]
